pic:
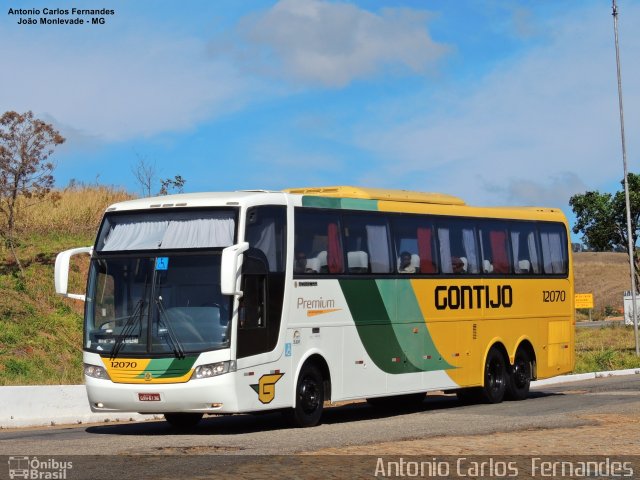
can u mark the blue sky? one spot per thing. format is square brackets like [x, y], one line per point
[499, 102]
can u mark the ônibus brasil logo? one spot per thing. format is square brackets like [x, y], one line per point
[34, 468]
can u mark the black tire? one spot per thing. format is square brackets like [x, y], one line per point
[309, 397]
[183, 421]
[495, 377]
[520, 374]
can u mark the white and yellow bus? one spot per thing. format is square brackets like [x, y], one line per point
[248, 301]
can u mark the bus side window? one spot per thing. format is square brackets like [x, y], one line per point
[554, 248]
[318, 245]
[366, 240]
[524, 248]
[494, 247]
[266, 232]
[414, 235]
[458, 250]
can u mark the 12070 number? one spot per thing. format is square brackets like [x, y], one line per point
[124, 364]
[554, 296]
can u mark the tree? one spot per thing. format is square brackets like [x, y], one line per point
[25, 146]
[145, 173]
[169, 184]
[602, 218]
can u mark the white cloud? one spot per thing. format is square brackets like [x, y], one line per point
[115, 88]
[537, 129]
[331, 44]
[553, 191]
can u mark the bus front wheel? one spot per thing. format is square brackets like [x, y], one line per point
[495, 377]
[309, 399]
[183, 421]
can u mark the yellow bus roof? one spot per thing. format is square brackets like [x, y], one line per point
[379, 194]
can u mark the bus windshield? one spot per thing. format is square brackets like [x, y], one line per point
[154, 283]
[156, 305]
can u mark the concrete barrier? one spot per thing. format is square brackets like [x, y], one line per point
[36, 406]
[577, 377]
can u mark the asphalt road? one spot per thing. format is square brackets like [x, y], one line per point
[240, 436]
[601, 323]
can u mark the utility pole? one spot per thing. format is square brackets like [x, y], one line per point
[631, 246]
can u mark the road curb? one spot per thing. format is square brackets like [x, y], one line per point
[37, 406]
[576, 377]
[48, 405]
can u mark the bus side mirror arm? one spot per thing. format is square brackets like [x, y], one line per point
[62, 271]
[230, 269]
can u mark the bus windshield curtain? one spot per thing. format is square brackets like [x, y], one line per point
[149, 235]
[199, 233]
[499, 250]
[135, 236]
[335, 258]
[424, 251]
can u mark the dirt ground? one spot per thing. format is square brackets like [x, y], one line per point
[611, 434]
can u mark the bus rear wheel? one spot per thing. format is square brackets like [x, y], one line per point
[309, 399]
[183, 421]
[519, 376]
[495, 377]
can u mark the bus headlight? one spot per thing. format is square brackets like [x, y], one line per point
[96, 372]
[214, 369]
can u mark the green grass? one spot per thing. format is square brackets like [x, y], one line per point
[606, 348]
[40, 332]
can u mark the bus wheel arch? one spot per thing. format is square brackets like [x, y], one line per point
[312, 388]
[521, 372]
[494, 377]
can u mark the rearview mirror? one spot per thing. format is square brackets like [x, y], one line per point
[62, 271]
[230, 269]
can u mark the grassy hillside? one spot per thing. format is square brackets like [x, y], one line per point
[606, 275]
[41, 333]
[608, 348]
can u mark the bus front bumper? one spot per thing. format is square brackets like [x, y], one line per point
[211, 395]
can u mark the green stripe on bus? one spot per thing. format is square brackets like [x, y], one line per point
[358, 204]
[339, 203]
[409, 326]
[374, 326]
[169, 367]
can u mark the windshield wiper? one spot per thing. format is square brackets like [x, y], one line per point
[173, 341]
[127, 331]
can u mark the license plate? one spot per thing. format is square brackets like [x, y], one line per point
[149, 397]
